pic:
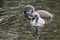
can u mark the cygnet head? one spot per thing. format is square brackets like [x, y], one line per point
[28, 9]
[35, 18]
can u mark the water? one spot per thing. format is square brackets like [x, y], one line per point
[15, 27]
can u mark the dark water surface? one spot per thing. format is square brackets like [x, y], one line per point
[14, 26]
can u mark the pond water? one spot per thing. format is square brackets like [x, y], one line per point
[15, 27]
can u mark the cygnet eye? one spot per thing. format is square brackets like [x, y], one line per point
[36, 16]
